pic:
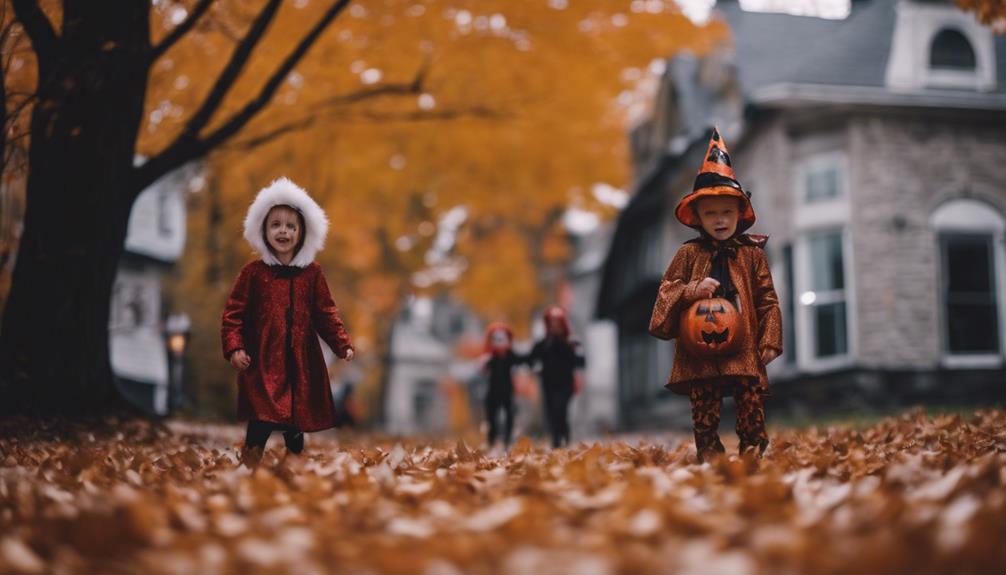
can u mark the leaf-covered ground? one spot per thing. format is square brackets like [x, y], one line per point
[907, 495]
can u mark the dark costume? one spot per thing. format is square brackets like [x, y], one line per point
[499, 367]
[558, 356]
[740, 265]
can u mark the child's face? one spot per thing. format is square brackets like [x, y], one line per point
[499, 339]
[282, 231]
[718, 216]
[553, 325]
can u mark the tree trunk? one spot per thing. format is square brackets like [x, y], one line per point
[92, 82]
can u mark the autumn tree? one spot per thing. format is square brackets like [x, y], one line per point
[94, 63]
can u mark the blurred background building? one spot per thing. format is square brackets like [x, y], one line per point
[146, 360]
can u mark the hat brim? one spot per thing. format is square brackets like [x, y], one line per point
[686, 214]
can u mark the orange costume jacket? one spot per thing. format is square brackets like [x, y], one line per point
[758, 305]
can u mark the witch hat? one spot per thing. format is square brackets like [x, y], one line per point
[716, 178]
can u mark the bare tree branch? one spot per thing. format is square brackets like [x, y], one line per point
[241, 118]
[188, 145]
[271, 135]
[231, 71]
[180, 30]
[434, 116]
[39, 28]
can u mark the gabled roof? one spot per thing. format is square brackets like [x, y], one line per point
[797, 50]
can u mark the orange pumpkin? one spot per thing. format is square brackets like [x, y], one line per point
[712, 328]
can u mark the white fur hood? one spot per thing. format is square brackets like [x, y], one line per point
[283, 192]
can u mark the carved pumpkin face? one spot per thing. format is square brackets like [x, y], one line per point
[712, 328]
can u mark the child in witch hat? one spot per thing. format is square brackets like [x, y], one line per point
[279, 306]
[727, 263]
[498, 363]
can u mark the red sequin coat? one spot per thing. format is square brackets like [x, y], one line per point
[276, 313]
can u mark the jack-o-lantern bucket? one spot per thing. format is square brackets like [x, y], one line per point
[712, 328]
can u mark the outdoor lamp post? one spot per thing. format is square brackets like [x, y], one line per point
[177, 328]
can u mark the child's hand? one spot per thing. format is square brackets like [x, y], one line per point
[240, 360]
[706, 288]
[767, 355]
[349, 355]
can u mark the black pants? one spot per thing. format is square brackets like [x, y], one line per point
[495, 403]
[557, 413]
[259, 431]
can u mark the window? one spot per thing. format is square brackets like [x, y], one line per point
[951, 50]
[825, 298]
[970, 244]
[969, 294]
[821, 182]
[817, 263]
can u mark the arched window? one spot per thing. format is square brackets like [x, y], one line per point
[970, 236]
[951, 50]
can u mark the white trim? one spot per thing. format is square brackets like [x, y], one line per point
[972, 361]
[967, 215]
[970, 216]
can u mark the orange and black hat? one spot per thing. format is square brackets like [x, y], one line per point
[716, 178]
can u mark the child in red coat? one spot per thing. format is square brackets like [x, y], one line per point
[279, 306]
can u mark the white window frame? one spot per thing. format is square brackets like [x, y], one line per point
[810, 218]
[969, 216]
[825, 212]
[805, 343]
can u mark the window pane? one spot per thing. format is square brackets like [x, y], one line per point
[826, 262]
[972, 328]
[822, 184]
[952, 50]
[969, 295]
[968, 269]
[829, 329]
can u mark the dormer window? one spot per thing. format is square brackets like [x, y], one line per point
[938, 46]
[951, 50]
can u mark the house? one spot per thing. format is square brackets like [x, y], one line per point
[873, 148]
[138, 344]
[426, 371]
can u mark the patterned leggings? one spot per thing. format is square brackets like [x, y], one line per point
[707, 398]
